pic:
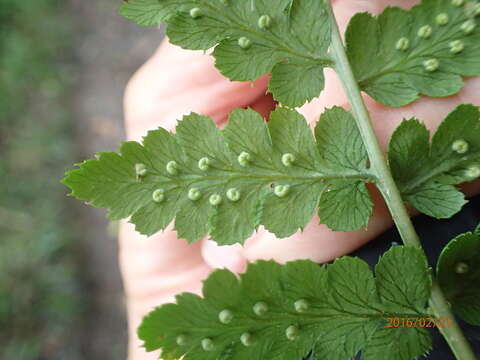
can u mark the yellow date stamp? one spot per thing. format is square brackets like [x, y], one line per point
[427, 322]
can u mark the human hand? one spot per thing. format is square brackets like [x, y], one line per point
[175, 82]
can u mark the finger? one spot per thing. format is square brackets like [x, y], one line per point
[175, 82]
[431, 111]
[231, 257]
[153, 270]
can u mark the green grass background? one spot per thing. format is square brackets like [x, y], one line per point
[41, 298]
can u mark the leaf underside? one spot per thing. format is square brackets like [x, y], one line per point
[427, 172]
[347, 311]
[151, 12]
[396, 77]
[293, 47]
[324, 173]
[458, 274]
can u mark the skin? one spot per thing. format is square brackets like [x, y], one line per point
[175, 82]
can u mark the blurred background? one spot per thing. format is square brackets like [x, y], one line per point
[63, 67]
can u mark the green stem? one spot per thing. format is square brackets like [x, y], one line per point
[453, 334]
[389, 189]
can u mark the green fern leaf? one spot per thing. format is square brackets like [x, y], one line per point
[285, 311]
[426, 173]
[227, 183]
[251, 38]
[402, 54]
[153, 12]
[459, 275]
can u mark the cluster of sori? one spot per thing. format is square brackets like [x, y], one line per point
[194, 194]
[442, 19]
[226, 317]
